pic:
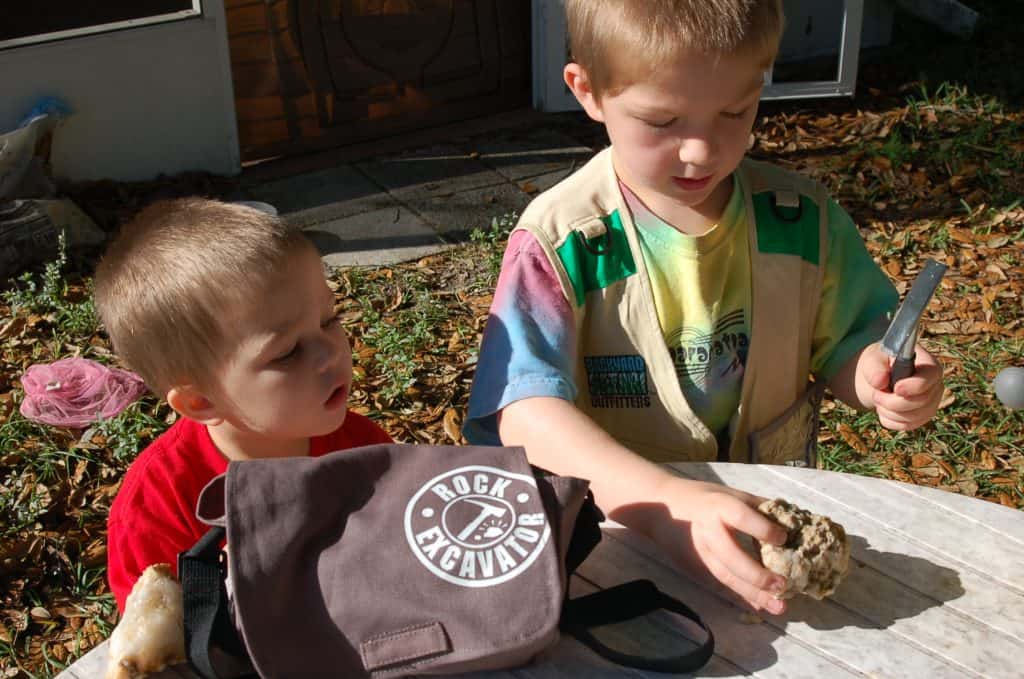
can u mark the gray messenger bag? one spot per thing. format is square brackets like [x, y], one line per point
[391, 560]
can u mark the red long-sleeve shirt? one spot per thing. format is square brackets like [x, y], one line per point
[153, 517]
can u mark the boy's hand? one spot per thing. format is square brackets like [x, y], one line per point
[693, 522]
[709, 542]
[913, 401]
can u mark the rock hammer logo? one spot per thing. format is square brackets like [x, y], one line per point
[477, 526]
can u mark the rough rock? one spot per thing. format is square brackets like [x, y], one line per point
[151, 633]
[816, 555]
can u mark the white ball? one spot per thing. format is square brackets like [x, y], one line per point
[1009, 386]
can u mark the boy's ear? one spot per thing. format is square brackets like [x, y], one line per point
[189, 402]
[578, 82]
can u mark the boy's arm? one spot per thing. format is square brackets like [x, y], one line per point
[522, 395]
[691, 521]
[148, 521]
[138, 542]
[852, 316]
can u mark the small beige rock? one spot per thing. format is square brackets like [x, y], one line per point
[151, 633]
[816, 556]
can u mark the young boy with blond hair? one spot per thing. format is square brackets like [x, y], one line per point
[672, 300]
[225, 311]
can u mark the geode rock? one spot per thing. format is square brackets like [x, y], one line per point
[151, 633]
[816, 555]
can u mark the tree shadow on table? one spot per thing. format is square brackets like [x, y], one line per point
[741, 643]
[880, 588]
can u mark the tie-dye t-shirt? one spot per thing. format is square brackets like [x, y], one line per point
[702, 293]
[701, 287]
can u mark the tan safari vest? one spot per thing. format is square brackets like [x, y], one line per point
[625, 376]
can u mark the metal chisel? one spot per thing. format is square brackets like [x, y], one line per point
[900, 338]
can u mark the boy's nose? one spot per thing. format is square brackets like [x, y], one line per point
[325, 356]
[331, 351]
[699, 151]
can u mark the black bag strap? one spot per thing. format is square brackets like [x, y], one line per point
[202, 571]
[586, 534]
[625, 602]
[621, 603]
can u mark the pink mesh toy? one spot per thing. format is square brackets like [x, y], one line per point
[75, 392]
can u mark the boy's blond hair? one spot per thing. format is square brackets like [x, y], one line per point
[621, 42]
[166, 283]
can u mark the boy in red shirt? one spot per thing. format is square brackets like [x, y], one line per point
[224, 310]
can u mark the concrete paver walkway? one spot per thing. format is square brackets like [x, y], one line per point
[406, 205]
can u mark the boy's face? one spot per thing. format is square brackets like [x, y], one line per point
[678, 135]
[290, 372]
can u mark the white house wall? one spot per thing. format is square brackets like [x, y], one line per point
[146, 101]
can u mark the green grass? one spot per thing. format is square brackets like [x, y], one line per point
[53, 481]
[973, 425]
[490, 244]
[399, 318]
[48, 296]
[400, 313]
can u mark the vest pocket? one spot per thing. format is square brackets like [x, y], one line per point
[792, 437]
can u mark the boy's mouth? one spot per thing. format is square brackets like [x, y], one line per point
[337, 397]
[692, 184]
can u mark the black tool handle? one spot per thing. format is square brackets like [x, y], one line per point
[901, 367]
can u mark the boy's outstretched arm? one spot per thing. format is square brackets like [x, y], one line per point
[863, 383]
[692, 521]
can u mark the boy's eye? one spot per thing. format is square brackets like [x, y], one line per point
[735, 116]
[291, 353]
[659, 124]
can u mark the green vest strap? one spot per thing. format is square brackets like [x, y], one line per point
[596, 263]
[785, 230]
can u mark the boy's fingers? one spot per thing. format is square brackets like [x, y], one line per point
[922, 358]
[757, 597]
[926, 376]
[747, 519]
[927, 373]
[903, 422]
[895, 424]
[876, 369]
[901, 402]
[894, 403]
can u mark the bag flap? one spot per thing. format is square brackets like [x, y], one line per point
[358, 546]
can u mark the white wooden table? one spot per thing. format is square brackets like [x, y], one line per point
[936, 589]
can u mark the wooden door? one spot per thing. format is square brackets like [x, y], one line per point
[314, 74]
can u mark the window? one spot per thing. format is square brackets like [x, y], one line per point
[45, 20]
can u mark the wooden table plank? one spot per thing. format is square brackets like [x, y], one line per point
[938, 602]
[93, 665]
[939, 573]
[835, 635]
[1007, 522]
[992, 552]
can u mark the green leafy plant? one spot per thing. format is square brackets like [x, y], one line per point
[48, 295]
[491, 244]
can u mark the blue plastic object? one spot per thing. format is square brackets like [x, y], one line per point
[46, 106]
